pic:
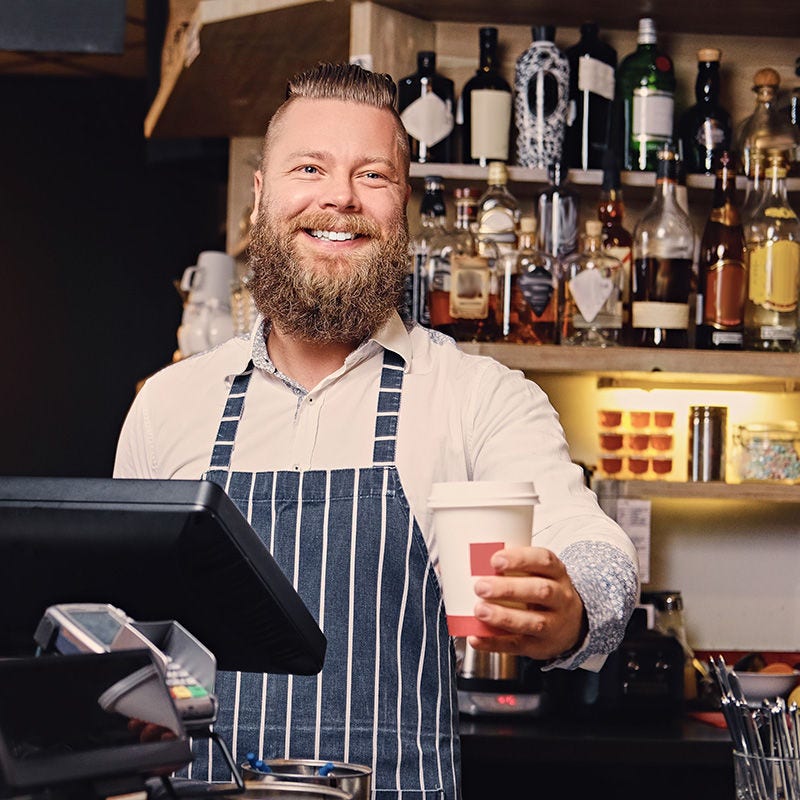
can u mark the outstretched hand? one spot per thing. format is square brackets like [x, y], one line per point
[550, 617]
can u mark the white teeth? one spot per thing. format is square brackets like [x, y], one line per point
[334, 236]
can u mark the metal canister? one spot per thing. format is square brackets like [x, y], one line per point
[354, 779]
[707, 431]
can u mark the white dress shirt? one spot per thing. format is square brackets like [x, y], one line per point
[462, 417]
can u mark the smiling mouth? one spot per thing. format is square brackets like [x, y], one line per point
[333, 236]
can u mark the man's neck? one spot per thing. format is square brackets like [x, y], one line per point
[306, 362]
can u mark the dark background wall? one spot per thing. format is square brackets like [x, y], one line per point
[95, 225]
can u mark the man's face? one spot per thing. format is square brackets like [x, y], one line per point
[329, 240]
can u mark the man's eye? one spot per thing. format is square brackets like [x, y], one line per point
[377, 176]
[309, 169]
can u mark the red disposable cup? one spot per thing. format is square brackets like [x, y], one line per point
[640, 419]
[611, 464]
[609, 418]
[611, 441]
[638, 441]
[661, 441]
[662, 465]
[663, 419]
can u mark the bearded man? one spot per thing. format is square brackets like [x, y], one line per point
[328, 425]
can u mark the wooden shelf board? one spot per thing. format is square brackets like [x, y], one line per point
[638, 362]
[754, 491]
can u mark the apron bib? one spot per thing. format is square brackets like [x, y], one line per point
[347, 540]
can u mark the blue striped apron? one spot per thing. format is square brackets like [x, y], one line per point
[347, 540]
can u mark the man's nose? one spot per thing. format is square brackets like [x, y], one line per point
[339, 192]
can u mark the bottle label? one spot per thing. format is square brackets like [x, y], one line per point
[653, 113]
[672, 316]
[777, 333]
[591, 290]
[596, 76]
[710, 134]
[719, 338]
[490, 123]
[725, 293]
[429, 119]
[537, 289]
[470, 286]
[781, 212]
[774, 273]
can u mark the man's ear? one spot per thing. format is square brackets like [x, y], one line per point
[258, 185]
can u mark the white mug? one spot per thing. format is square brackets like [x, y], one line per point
[211, 277]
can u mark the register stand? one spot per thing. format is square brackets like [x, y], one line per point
[108, 590]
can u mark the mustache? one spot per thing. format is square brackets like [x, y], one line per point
[347, 223]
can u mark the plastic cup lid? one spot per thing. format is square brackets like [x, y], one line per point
[454, 494]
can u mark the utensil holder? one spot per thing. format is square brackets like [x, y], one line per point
[766, 778]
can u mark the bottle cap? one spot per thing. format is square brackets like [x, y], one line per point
[498, 172]
[647, 31]
[528, 224]
[543, 33]
[426, 60]
[766, 77]
[593, 227]
[434, 181]
[709, 54]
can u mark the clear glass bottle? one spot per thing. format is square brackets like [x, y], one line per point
[498, 210]
[663, 254]
[443, 248]
[646, 99]
[528, 301]
[704, 129]
[592, 283]
[433, 221]
[766, 128]
[592, 63]
[557, 208]
[541, 98]
[722, 271]
[773, 261]
[617, 239]
[485, 108]
[426, 103]
[754, 191]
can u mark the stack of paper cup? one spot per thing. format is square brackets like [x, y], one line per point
[472, 520]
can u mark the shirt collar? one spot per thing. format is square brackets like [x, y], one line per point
[393, 335]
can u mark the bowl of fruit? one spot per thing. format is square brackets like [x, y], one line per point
[760, 680]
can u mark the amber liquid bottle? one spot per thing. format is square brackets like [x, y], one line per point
[617, 239]
[722, 273]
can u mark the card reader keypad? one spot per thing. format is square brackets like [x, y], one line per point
[191, 699]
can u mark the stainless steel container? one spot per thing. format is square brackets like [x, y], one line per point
[707, 432]
[291, 790]
[354, 779]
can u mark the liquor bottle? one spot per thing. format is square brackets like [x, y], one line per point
[541, 96]
[663, 251]
[528, 298]
[646, 100]
[773, 256]
[433, 219]
[617, 239]
[485, 108]
[592, 282]
[722, 273]
[591, 95]
[425, 101]
[557, 208]
[498, 210]
[754, 190]
[766, 128]
[704, 129]
[449, 243]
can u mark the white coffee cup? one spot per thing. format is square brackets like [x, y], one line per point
[472, 520]
[211, 277]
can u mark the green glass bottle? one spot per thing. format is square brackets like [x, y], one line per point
[646, 101]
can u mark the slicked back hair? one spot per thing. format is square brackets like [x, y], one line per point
[347, 82]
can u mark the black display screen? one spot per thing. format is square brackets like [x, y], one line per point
[100, 624]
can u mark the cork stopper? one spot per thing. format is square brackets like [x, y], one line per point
[467, 192]
[593, 227]
[498, 173]
[528, 224]
[766, 77]
[709, 54]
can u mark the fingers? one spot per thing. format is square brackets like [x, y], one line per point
[530, 560]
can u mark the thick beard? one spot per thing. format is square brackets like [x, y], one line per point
[342, 299]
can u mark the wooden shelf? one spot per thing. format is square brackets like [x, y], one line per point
[761, 492]
[593, 177]
[742, 369]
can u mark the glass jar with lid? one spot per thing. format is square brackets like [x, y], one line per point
[768, 451]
